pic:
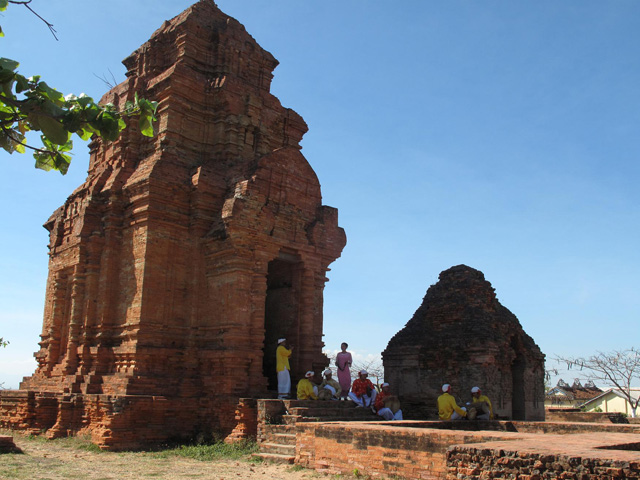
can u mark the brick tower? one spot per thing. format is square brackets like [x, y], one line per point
[182, 258]
[463, 336]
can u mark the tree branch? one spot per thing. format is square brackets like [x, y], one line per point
[617, 369]
[8, 133]
[26, 4]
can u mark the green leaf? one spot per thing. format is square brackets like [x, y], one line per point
[50, 93]
[84, 100]
[62, 163]
[146, 127]
[3, 5]
[8, 64]
[21, 83]
[44, 161]
[53, 158]
[86, 131]
[53, 130]
[6, 76]
[1, 32]
[18, 146]
[6, 143]
[108, 125]
[7, 89]
[50, 108]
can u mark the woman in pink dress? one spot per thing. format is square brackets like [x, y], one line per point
[343, 362]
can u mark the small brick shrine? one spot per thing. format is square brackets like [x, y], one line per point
[182, 258]
[463, 336]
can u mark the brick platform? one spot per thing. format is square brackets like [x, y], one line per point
[444, 450]
[584, 456]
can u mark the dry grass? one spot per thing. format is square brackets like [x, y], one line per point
[76, 458]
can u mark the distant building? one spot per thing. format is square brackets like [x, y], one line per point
[574, 396]
[611, 401]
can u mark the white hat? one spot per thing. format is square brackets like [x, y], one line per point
[363, 372]
[327, 372]
[280, 340]
[385, 384]
[310, 373]
[475, 389]
[446, 387]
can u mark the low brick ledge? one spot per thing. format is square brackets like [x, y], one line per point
[7, 445]
[595, 445]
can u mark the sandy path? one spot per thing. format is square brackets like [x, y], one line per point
[56, 461]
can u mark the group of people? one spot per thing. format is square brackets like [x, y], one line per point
[478, 408]
[364, 394]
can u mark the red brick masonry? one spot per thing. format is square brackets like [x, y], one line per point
[182, 258]
[431, 450]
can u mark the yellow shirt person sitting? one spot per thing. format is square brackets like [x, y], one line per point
[448, 409]
[306, 389]
[482, 404]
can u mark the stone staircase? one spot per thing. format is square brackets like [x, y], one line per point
[278, 444]
[277, 421]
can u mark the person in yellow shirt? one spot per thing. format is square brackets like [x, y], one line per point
[482, 404]
[448, 409]
[306, 389]
[282, 368]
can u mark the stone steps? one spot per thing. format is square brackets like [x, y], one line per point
[278, 444]
[278, 429]
[278, 441]
[284, 438]
[327, 412]
[278, 448]
[274, 457]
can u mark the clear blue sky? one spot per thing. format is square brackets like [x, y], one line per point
[502, 135]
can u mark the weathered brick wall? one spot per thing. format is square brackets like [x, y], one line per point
[437, 450]
[115, 422]
[270, 412]
[27, 411]
[246, 421]
[380, 450]
[470, 463]
[590, 417]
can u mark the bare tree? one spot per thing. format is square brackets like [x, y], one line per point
[373, 366]
[618, 369]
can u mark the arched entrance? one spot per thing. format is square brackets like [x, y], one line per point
[518, 411]
[281, 313]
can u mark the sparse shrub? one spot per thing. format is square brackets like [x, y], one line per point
[215, 451]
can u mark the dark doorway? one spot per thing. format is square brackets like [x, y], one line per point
[281, 311]
[517, 374]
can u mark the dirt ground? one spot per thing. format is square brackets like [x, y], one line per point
[46, 460]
